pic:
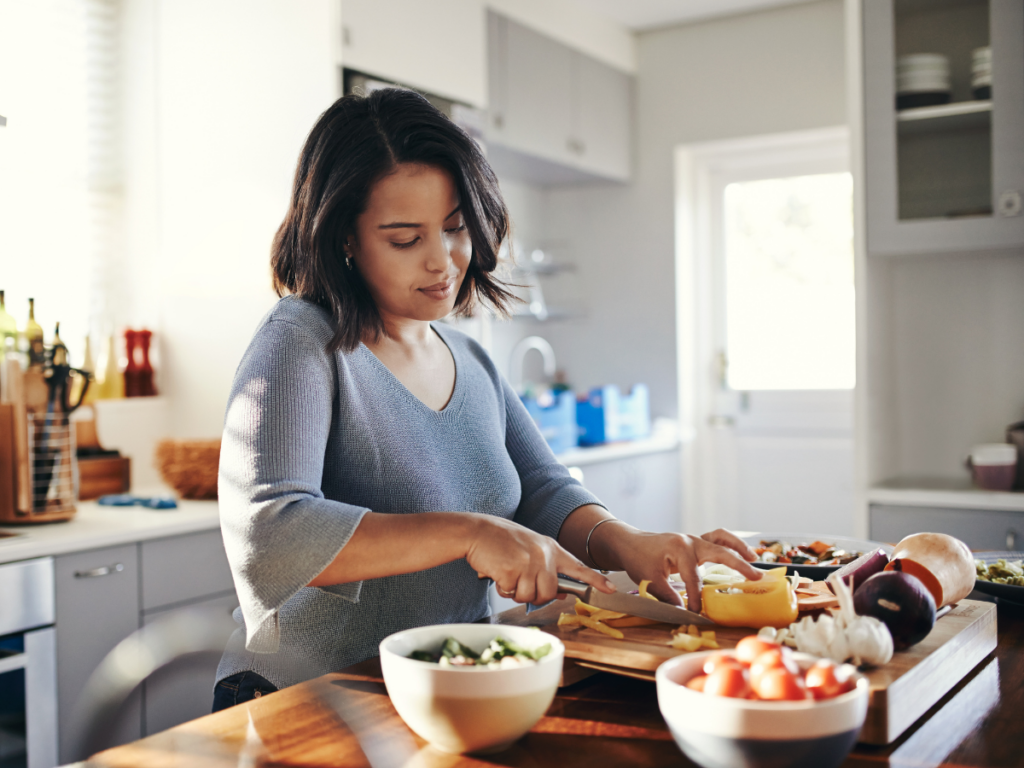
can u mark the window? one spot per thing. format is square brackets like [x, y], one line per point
[60, 195]
[789, 291]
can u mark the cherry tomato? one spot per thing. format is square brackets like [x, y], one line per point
[697, 683]
[776, 658]
[715, 660]
[728, 681]
[779, 684]
[749, 648]
[823, 681]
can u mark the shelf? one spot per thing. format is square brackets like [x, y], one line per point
[962, 115]
[530, 268]
[11, 661]
[947, 492]
[548, 314]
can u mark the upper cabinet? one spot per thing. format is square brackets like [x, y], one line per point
[437, 47]
[943, 134]
[556, 115]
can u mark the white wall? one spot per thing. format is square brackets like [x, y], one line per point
[957, 359]
[766, 72]
[223, 95]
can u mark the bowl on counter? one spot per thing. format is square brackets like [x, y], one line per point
[469, 709]
[721, 732]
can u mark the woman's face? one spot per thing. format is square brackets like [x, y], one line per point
[411, 244]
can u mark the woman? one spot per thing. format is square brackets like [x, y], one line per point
[376, 470]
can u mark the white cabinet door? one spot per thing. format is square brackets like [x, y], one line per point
[641, 490]
[538, 109]
[602, 118]
[180, 569]
[946, 183]
[183, 690]
[565, 116]
[979, 529]
[97, 606]
[438, 46]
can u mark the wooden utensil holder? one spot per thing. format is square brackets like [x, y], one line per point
[38, 467]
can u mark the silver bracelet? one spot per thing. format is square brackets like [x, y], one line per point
[596, 526]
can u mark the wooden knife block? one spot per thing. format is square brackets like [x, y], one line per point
[38, 468]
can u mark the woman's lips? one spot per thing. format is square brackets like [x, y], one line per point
[439, 291]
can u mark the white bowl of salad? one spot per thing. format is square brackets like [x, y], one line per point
[471, 687]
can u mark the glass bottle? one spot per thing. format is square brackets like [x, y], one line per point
[8, 329]
[34, 337]
[146, 386]
[89, 366]
[131, 371]
[111, 384]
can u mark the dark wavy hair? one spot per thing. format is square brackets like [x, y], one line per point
[355, 143]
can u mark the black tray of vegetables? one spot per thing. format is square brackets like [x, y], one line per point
[1001, 574]
[815, 556]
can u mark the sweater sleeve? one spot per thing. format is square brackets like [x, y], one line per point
[550, 494]
[279, 530]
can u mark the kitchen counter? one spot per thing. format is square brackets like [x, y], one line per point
[95, 526]
[601, 722]
[665, 436]
[954, 493]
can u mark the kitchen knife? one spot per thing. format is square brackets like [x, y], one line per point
[634, 605]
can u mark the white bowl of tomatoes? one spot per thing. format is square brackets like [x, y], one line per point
[762, 706]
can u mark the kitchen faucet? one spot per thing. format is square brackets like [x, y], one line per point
[519, 356]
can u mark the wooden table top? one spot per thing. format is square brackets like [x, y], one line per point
[601, 722]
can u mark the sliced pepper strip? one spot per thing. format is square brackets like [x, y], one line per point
[630, 621]
[642, 590]
[770, 602]
[585, 609]
[570, 619]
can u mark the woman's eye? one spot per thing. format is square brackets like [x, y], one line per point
[408, 244]
[456, 230]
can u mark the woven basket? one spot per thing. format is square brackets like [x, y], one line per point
[190, 466]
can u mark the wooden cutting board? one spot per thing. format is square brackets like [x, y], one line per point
[901, 691]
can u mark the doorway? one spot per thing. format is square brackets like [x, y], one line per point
[766, 332]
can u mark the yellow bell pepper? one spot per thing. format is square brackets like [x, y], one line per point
[770, 602]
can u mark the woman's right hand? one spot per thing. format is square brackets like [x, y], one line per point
[524, 565]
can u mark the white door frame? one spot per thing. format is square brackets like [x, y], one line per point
[700, 172]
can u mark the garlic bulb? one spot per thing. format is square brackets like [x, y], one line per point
[870, 641]
[862, 639]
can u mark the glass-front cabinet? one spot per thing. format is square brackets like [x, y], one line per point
[944, 125]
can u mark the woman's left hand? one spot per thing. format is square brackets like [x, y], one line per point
[655, 556]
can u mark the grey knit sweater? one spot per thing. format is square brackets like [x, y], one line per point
[312, 441]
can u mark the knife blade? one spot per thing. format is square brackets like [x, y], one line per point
[623, 602]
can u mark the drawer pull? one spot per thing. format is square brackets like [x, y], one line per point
[1011, 539]
[103, 570]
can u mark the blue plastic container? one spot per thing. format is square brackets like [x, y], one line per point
[555, 414]
[608, 416]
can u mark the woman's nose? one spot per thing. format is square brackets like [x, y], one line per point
[439, 255]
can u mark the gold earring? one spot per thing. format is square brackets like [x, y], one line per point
[348, 262]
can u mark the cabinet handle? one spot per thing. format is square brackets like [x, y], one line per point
[103, 570]
[1010, 203]
[1011, 539]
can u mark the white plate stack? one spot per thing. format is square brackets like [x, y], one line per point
[981, 73]
[922, 80]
